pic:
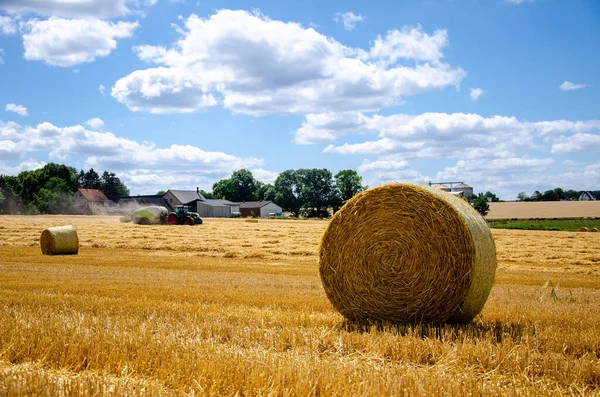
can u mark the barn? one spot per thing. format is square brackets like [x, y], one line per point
[261, 209]
[213, 208]
[90, 201]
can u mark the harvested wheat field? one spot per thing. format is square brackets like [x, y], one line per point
[237, 308]
[544, 209]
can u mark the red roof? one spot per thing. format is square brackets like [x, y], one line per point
[93, 194]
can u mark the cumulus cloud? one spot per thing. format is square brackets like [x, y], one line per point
[7, 25]
[69, 42]
[568, 86]
[18, 109]
[348, 19]
[408, 43]
[576, 143]
[101, 89]
[493, 153]
[265, 176]
[73, 8]
[143, 166]
[476, 93]
[275, 67]
[95, 123]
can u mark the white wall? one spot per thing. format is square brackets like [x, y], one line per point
[269, 208]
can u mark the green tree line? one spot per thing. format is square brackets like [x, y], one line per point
[307, 192]
[49, 190]
[557, 194]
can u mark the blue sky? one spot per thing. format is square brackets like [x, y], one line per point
[503, 95]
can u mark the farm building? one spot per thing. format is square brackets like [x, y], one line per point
[457, 188]
[464, 188]
[203, 206]
[261, 209]
[90, 201]
[183, 197]
[587, 196]
[216, 208]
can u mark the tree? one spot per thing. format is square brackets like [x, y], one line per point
[91, 180]
[491, 196]
[222, 189]
[207, 195]
[54, 198]
[318, 191]
[572, 194]
[522, 196]
[30, 182]
[161, 192]
[481, 205]
[241, 186]
[348, 183]
[266, 192]
[112, 186]
[288, 188]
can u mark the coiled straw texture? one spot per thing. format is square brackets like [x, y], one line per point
[407, 253]
[59, 240]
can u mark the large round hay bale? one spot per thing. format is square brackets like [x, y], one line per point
[594, 229]
[60, 240]
[407, 253]
[582, 229]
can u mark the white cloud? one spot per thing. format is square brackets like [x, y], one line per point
[18, 109]
[101, 89]
[264, 175]
[7, 25]
[518, 1]
[349, 19]
[274, 67]
[408, 43]
[568, 86]
[69, 42]
[1, 54]
[142, 165]
[72, 8]
[576, 143]
[95, 123]
[476, 93]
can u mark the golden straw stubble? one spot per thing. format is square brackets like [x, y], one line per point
[407, 253]
[59, 240]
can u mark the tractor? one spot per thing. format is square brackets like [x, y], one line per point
[183, 216]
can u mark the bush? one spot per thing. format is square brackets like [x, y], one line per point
[482, 206]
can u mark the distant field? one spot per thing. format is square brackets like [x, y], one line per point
[566, 224]
[547, 209]
[232, 308]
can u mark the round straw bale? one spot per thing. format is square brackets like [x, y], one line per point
[252, 220]
[583, 229]
[407, 253]
[594, 229]
[60, 240]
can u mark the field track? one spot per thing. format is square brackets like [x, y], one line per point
[236, 308]
[546, 209]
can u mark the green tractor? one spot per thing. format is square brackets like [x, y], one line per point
[183, 216]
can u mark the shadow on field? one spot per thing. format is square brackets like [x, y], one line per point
[494, 330]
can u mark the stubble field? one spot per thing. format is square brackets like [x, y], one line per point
[237, 308]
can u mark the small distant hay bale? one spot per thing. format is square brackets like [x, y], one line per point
[60, 240]
[583, 229]
[407, 253]
[594, 229]
[252, 220]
